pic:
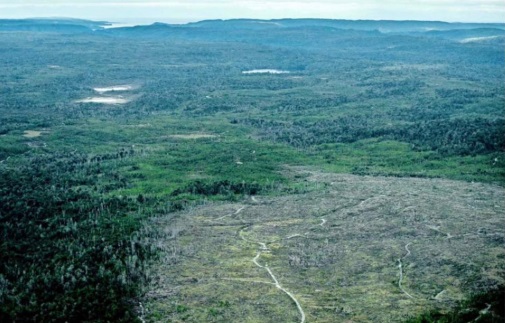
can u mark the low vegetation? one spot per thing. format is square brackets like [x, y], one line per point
[344, 247]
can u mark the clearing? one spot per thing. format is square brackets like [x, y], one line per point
[366, 249]
[33, 133]
[193, 136]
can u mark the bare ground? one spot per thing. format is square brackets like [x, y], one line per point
[360, 249]
[34, 133]
[193, 136]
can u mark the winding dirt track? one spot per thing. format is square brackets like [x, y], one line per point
[227, 215]
[264, 248]
[401, 271]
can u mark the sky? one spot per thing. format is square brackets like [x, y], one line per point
[181, 11]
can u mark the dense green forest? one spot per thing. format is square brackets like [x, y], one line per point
[102, 129]
[68, 253]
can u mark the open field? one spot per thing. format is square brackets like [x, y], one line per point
[356, 249]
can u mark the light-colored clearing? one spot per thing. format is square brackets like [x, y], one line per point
[349, 257]
[419, 67]
[113, 88]
[104, 100]
[32, 133]
[264, 248]
[265, 71]
[140, 125]
[193, 136]
[477, 39]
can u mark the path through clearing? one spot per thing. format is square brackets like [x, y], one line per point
[227, 215]
[264, 248]
[401, 270]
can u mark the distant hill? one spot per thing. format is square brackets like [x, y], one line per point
[320, 34]
[312, 33]
[469, 35]
[380, 25]
[51, 25]
[383, 26]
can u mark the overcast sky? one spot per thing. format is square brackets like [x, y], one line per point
[178, 11]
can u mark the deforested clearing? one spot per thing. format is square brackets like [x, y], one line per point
[367, 249]
[193, 136]
[32, 133]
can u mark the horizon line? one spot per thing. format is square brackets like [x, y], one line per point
[196, 20]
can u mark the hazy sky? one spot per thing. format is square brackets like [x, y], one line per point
[192, 10]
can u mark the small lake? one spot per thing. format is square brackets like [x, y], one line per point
[104, 100]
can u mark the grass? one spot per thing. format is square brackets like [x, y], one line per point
[393, 158]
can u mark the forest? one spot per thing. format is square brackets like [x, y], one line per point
[103, 130]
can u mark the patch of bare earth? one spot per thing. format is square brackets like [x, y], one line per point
[193, 136]
[33, 133]
[360, 249]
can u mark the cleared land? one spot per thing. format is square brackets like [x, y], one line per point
[32, 133]
[193, 136]
[360, 249]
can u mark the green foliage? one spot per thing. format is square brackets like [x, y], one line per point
[219, 188]
[67, 253]
[483, 307]
[447, 137]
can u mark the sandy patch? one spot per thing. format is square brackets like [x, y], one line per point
[193, 136]
[33, 133]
